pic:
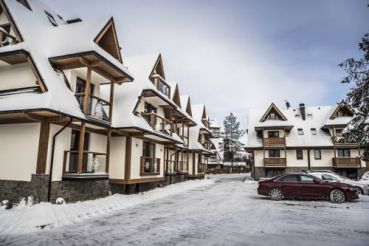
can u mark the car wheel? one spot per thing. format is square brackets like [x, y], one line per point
[337, 196]
[276, 194]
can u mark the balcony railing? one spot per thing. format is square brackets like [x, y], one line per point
[159, 123]
[338, 141]
[346, 162]
[98, 108]
[161, 85]
[150, 166]
[274, 162]
[274, 141]
[93, 162]
[6, 39]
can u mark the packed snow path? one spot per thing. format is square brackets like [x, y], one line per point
[229, 212]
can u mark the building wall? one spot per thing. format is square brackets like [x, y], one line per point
[292, 161]
[16, 76]
[190, 164]
[18, 151]
[117, 158]
[137, 145]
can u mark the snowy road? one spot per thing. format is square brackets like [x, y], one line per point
[226, 213]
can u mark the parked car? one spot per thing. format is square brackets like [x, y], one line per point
[334, 177]
[306, 186]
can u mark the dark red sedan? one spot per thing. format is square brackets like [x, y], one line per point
[305, 186]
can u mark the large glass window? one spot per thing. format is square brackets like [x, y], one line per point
[273, 134]
[317, 154]
[343, 153]
[299, 154]
[149, 164]
[274, 153]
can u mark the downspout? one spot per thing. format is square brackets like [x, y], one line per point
[52, 157]
[308, 152]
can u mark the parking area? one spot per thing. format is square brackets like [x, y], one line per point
[228, 212]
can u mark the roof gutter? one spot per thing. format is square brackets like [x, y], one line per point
[52, 157]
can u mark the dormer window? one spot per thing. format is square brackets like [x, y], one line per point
[51, 18]
[272, 116]
[297, 116]
[300, 131]
[313, 131]
[310, 116]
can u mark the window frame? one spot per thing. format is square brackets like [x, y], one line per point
[299, 157]
[319, 156]
[274, 151]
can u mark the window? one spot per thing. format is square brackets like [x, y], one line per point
[273, 134]
[328, 177]
[272, 116]
[317, 154]
[313, 131]
[274, 153]
[299, 154]
[73, 157]
[310, 116]
[259, 134]
[343, 153]
[300, 131]
[306, 179]
[288, 178]
[149, 108]
[149, 164]
[297, 116]
[51, 19]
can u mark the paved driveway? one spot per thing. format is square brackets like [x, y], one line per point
[226, 213]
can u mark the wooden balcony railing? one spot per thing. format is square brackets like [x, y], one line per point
[6, 39]
[97, 107]
[274, 141]
[150, 166]
[346, 161]
[272, 162]
[338, 141]
[161, 85]
[93, 162]
[159, 123]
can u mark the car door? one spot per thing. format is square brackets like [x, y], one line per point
[290, 185]
[308, 186]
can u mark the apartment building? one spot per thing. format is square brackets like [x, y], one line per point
[302, 138]
[78, 120]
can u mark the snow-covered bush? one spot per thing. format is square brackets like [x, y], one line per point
[22, 202]
[60, 201]
[30, 201]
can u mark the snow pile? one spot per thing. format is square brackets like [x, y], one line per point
[365, 178]
[27, 219]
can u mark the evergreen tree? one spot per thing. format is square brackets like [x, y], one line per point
[358, 98]
[232, 134]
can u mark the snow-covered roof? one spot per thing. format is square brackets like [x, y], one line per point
[317, 118]
[42, 41]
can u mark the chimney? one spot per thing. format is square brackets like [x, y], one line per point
[302, 111]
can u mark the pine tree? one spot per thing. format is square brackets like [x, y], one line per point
[358, 98]
[232, 134]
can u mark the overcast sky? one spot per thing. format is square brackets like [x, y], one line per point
[236, 54]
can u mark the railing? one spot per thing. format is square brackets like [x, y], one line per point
[6, 39]
[150, 166]
[346, 161]
[97, 107]
[161, 85]
[274, 141]
[276, 161]
[159, 123]
[338, 141]
[93, 162]
[171, 166]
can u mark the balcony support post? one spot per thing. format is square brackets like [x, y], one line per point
[81, 145]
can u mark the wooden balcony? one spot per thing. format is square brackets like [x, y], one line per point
[93, 163]
[338, 142]
[150, 166]
[275, 162]
[274, 141]
[97, 107]
[346, 162]
[161, 85]
[159, 123]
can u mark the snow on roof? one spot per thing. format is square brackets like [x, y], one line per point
[214, 124]
[312, 127]
[43, 40]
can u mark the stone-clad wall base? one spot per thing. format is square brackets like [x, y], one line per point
[15, 190]
[72, 191]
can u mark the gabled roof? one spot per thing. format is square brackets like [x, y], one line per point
[316, 119]
[340, 115]
[275, 109]
[43, 41]
[186, 104]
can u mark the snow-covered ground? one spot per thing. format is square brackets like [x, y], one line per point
[226, 212]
